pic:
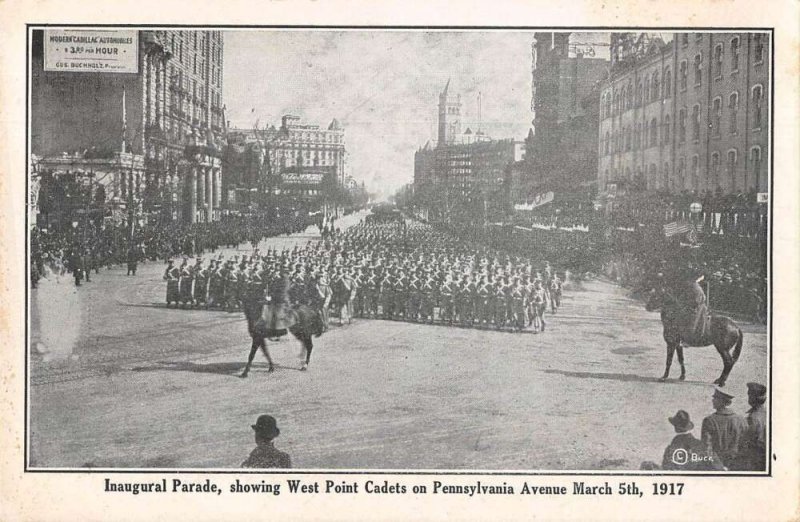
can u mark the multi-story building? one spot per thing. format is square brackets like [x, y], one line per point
[165, 116]
[566, 70]
[464, 176]
[687, 115]
[295, 162]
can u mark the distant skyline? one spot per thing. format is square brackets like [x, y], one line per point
[383, 86]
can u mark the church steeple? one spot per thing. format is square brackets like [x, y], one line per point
[449, 116]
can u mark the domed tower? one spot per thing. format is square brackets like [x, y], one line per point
[449, 116]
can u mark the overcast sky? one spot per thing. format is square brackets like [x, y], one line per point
[382, 86]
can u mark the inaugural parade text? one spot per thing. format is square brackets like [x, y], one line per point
[629, 488]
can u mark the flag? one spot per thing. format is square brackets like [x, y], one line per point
[670, 229]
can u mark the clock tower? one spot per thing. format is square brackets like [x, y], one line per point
[449, 116]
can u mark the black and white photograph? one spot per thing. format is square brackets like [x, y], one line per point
[398, 249]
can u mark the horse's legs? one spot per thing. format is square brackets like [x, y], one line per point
[679, 348]
[253, 350]
[263, 345]
[308, 345]
[727, 364]
[670, 352]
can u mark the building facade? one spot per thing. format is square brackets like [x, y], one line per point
[689, 115]
[293, 164]
[463, 177]
[565, 75]
[168, 113]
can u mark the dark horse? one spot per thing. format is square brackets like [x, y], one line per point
[721, 332]
[307, 323]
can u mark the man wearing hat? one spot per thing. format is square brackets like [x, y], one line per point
[722, 431]
[265, 454]
[685, 452]
[753, 447]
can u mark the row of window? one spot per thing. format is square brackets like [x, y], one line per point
[646, 135]
[714, 180]
[648, 90]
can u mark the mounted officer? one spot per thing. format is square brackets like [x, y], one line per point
[684, 291]
[277, 315]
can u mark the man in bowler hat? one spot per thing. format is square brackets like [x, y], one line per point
[265, 454]
[685, 452]
[722, 431]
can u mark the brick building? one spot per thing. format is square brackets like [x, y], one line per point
[687, 115]
[166, 116]
[566, 71]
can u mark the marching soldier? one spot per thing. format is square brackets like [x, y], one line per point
[186, 283]
[200, 283]
[172, 277]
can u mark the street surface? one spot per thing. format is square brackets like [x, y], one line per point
[118, 380]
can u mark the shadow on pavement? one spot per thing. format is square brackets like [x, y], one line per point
[623, 377]
[232, 369]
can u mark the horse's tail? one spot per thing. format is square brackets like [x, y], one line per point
[737, 350]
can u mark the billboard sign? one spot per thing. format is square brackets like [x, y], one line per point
[104, 51]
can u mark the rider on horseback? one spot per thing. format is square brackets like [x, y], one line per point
[278, 316]
[683, 287]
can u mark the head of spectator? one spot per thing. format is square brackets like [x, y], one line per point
[721, 399]
[756, 394]
[681, 422]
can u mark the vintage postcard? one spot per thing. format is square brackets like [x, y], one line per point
[400, 268]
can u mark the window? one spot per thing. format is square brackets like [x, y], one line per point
[696, 173]
[718, 61]
[696, 123]
[716, 117]
[685, 39]
[713, 181]
[646, 97]
[698, 69]
[639, 94]
[645, 132]
[605, 144]
[733, 109]
[683, 73]
[758, 48]
[681, 173]
[682, 126]
[698, 37]
[755, 166]
[653, 132]
[757, 109]
[730, 169]
[665, 176]
[621, 100]
[665, 132]
[735, 54]
[655, 94]
[667, 83]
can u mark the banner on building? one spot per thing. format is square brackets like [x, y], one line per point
[302, 178]
[538, 201]
[78, 50]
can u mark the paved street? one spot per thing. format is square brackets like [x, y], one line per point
[118, 380]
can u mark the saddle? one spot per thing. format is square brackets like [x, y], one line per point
[697, 327]
[276, 318]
